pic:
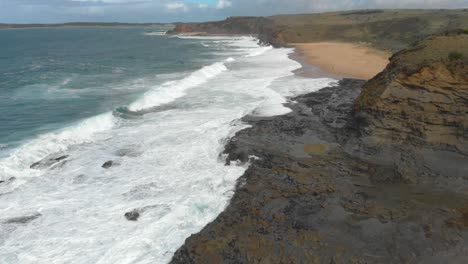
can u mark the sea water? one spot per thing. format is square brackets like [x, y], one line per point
[159, 107]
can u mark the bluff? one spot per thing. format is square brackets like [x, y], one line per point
[421, 98]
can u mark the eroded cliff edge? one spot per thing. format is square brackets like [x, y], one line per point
[421, 98]
[347, 177]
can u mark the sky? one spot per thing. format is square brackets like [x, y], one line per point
[58, 11]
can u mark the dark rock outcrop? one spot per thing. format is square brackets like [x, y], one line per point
[133, 215]
[22, 219]
[50, 161]
[107, 164]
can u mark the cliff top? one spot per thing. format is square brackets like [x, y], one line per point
[448, 48]
[445, 48]
[422, 96]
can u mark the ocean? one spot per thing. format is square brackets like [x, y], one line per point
[161, 108]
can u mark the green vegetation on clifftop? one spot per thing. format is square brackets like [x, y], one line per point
[386, 29]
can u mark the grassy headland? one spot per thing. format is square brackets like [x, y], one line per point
[385, 29]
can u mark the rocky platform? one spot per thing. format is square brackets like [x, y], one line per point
[330, 184]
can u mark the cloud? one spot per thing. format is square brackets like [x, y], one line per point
[203, 6]
[176, 6]
[56, 11]
[223, 4]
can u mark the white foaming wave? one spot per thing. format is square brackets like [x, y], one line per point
[18, 163]
[66, 81]
[292, 87]
[285, 84]
[258, 51]
[159, 33]
[214, 38]
[244, 42]
[170, 91]
[177, 176]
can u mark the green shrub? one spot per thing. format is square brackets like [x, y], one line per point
[455, 55]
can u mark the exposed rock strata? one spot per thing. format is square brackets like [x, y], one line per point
[422, 96]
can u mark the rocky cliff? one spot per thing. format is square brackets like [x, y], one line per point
[371, 175]
[421, 98]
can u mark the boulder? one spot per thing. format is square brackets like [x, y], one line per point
[49, 161]
[133, 215]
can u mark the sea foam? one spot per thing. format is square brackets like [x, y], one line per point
[172, 90]
[18, 162]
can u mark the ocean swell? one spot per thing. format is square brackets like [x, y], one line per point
[172, 90]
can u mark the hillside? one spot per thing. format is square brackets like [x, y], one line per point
[386, 29]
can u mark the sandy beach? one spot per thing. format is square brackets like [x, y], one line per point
[344, 59]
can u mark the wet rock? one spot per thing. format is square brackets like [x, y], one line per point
[132, 216]
[347, 203]
[49, 161]
[107, 164]
[128, 152]
[10, 180]
[22, 219]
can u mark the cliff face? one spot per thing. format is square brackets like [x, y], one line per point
[421, 98]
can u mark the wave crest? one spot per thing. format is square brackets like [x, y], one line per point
[170, 91]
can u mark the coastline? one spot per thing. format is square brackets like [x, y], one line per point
[318, 193]
[313, 196]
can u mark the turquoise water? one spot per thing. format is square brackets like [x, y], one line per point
[53, 77]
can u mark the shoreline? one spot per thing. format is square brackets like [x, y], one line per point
[314, 194]
[342, 59]
[309, 70]
[318, 191]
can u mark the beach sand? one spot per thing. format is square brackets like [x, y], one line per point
[343, 59]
